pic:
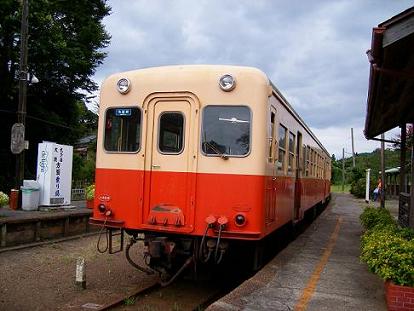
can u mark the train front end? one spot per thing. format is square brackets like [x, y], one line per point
[180, 155]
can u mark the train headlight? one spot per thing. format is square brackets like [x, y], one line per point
[123, 85]
[240, 220]
[102, 208]
[227, 82]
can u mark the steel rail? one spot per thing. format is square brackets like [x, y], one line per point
[140, 292]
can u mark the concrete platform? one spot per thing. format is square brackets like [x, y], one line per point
[18, 227]
[320, 270]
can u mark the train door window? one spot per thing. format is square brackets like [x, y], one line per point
[271, 136]
[122, 129]
[291, 161]
[226, 130]
[281, 162]
[171, 133]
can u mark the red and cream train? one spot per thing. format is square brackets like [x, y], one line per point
[197, 159]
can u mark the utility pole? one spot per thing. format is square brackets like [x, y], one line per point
[21, 110]
[382, 190]
[343, 169]
[353, 150]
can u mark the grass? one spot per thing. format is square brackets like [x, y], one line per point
[129, 301]
[338, 188]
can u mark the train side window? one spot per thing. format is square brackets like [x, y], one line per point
[171, 133]
[281, 162]
[291, 161]
[122, 129]
[226, 130]
[311, 160]
[271, 136]
[308, 161]
[313, 163]
[304, 160]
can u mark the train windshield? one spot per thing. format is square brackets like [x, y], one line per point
[226, 130]
[122, 129]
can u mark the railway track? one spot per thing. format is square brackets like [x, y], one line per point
[181, 295]
[138, 294]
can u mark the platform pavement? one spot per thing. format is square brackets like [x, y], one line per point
[75, 206]
[320, 270]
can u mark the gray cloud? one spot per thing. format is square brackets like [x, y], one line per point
[314, 51]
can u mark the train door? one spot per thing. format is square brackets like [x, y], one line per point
[170, 164]
[298, 177]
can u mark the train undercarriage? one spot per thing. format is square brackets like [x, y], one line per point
[170, 255]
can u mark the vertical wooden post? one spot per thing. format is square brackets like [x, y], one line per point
[411, 215]
[403, 151]
[382, 192]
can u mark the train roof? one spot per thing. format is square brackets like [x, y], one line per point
[289, 107]
[228, 69]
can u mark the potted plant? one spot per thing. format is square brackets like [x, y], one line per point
[90, 195]
[388, 250]
[4, 199]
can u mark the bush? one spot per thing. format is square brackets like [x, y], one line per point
[4, 199]
[83, 169]
[90, 192]
[387, 249]
[372, 217]
[389, 255]
[358, 188]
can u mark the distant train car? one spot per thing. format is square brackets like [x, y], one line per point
[197, 159]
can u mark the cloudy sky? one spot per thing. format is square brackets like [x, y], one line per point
[313, 51]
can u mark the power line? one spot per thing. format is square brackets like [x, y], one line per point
[42, 120]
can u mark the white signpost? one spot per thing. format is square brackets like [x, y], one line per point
[368, 170]
[54, 173]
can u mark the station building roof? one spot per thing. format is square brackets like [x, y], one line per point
[391, 82]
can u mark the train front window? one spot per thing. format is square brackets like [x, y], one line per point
[122, 129]
[226, 130]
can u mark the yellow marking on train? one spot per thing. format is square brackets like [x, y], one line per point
[307, 293]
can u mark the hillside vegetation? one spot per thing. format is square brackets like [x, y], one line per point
[356, 176]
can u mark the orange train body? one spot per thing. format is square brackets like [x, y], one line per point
[217, 194]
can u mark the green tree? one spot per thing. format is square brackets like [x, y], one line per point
[66, 39]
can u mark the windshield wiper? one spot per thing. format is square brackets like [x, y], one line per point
[214, 148]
